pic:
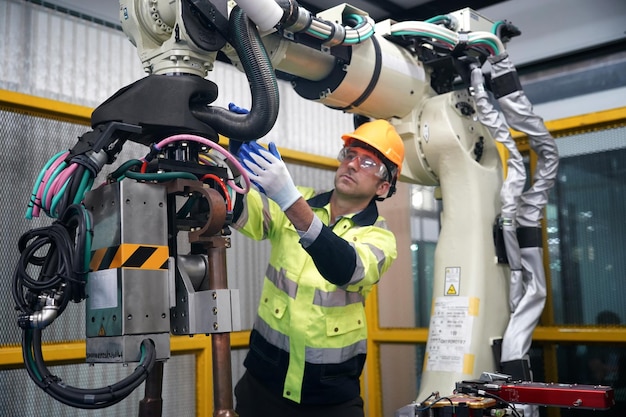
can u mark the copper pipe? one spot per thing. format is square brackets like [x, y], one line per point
[220, 342]
[152, 403]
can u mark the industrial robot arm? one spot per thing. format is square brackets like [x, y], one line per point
[415, 74]
[426, 78]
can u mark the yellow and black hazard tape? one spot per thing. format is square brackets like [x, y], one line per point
[130, 255]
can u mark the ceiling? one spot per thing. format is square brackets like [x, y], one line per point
[401, 10]
[107, 11]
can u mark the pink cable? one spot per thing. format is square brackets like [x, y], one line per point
[58, 183]
[215, 146]
[44, 181]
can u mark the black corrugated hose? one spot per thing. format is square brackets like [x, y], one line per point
[245, 38]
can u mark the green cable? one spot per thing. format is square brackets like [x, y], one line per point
[56, 199]
[186, 208]
[56, 172]
[87, 216]
[357, 17]
[439, 18]
[360, 39]
[118, 174]
[496, 25]
[345, 41]
[164, 176]
[317, 34]
[143, 354]
[31, 361]
[29, 210]
[82, 188]
[80, 209]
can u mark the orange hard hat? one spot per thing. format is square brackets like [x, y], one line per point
[382, 136]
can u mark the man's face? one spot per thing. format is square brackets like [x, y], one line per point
[359, 174]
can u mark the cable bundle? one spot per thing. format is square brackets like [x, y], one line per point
[363, 29]
[59, 185]
[61, 253]
[449, 39]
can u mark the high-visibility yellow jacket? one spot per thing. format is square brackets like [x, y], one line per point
[308, 343]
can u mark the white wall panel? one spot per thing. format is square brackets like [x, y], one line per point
[13, 54]
[53, 55]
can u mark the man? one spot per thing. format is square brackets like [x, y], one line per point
[308, 344]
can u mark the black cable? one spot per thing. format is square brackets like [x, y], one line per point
[54, 267]
[438, 399]
[484, 393]
[78, 220]
[67, 197]
[28, 360]
[58, 255]
[500, 399]
[73, 187]
[92, 398]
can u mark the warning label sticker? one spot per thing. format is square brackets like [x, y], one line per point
[452, 280]
[449, 335]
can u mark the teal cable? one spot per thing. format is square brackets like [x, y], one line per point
[56, 199]
[56, 172]
[31, 361]
[317, 34]
[82, 188]
[31, 204]
[437, 19]
[356, 17]
[88, 237]
[186, 208]
[360, 39]
[118, 174]
[165, 176]
[496, 25]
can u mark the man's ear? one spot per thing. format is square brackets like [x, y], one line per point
[383, 189]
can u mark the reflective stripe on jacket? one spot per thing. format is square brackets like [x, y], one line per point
[308, 343]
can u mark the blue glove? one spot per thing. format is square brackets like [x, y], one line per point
[269, 173]
[234, 144]
[236, 109]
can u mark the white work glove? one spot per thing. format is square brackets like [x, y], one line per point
[269, 173]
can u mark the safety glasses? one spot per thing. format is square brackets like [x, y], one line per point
[366, 162]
